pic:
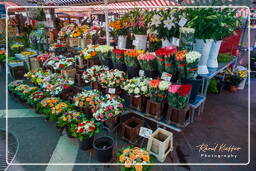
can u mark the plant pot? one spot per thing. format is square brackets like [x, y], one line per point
[140, 42]
[122, 42]
[87, 143]
[107, 62]
[213, 57]
[111, 123]
[154, 109]
[233, 89]
[196, 84]
[178, 117]
[203, 47]
[160, 144]
[137, 102]
[120, 66]
[166, 42]
[151, 74]
[104, 148]
[133, 72]
[130, 129]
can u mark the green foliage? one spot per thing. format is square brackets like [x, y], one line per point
[213, 86]
[225, 58]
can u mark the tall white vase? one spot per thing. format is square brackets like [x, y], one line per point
[140, 42]
[203, 47]
[213, 57]
[122, 42]
[166, 42]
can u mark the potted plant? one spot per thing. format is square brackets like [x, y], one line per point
[91, 55]
[85, 132]
[131, 61]
[46, 104]
[104, 148]
[137, 89]
[12, 85]
[36, 97]
[148, 63]
[158, 93]
[233, 82]
[57, 110]
[104, 53]
[19, 91]
[133, 158]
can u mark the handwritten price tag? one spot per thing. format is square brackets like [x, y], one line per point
[166, 76]
[182, 22]
[175, 41]
[111, 90]
[141, 73]
[145, 132]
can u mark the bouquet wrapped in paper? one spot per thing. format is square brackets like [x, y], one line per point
[186, 38]
[192, 60]
[158, 90]
[169, 62]
[130, 57]
[104, 53]
[148, 63]
[162, 55]
[180, 57]
[178, 95]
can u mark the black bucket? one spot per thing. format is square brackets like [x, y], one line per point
[151, 74]
[196, 84]
[107, 62]
[87, 142]
[104, 148]
[133, 72]
[120, 67]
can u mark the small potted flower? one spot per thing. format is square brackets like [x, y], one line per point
[46, 104]
[90, 55]
[42, 58]
[19, 91]
[131, 61]
[12, 85]
[137, 89]
[57, 111]
[104, 53]
[85, 132]
[27, 92]
[118, 59]
[134, 159]
[148, 63]
[156, 103]
[36, 97]
[108, 111]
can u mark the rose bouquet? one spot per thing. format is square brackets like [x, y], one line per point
[93, 73]
[178, 95]
[134, 159]
[104, 54]
[158, 90]
[108, 109]
[130, 57]
[43, 57]
[70, 118]
[192, 60]
[112, 78]
[148, 64]
[87, 99]
[170, 66]
[57, 110]
[12, 85]
[46, 104]
[86, 129]
[137, 86]
[36, 97]
[180, 58]
[118, 56]
[89, 52]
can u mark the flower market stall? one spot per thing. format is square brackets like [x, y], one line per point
[156, 70]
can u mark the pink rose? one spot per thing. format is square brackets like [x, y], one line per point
[93, 111]
[173, 88]
[110, 107]
[101, 116]
[110, 115]
[121, 106]
[106, 109]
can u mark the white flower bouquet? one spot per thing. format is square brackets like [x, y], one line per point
[92, 74]
[192, 60]
[112, 78]
[137, 86]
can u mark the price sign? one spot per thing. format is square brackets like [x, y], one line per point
[182, 22]
[141, 73]
[166, 76]
[111, 90]
[145, 132]
[175, 41]
[58, 41]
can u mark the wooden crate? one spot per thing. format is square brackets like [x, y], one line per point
[137, 102]
[154, 109]
[179, 117]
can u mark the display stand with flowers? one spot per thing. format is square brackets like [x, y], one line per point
[156, 103]
[137, 90]
[148, 63]
[131, 62]
[160, 144]
[178, 109]
[90, 55]
[85, 132]
[104, 54]
[118, 59]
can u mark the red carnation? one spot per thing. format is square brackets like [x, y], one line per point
[184, 90]
[81, 130]
[61, 65]
[91, 128]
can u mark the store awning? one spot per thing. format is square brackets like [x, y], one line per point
[11, 4]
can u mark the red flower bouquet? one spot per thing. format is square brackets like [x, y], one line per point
[178, 96]
[118, 56]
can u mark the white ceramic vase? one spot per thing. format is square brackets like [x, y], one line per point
[213, 57]
[140, 42]
[122, 42]
[166, 42]
[203, 47]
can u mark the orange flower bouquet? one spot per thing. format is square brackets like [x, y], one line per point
[180, 58]
[134, 159]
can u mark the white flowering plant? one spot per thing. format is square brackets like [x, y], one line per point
[112, 78]
[93, 73]
[137, 86]
[104, 51]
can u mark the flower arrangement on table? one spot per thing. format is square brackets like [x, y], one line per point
[178, 95]
[93, 73]
[109, 108]
[180, 58]
[36, 97]
[86, 129]
[192, 60]
[68, 119]
[130, 57]
[103, 52]
[158, 90]
[12, 85]
[43, 57]
[165, 60]
[134, 158]
[46, 104]
[89, 52]
[57, 110]
[112, 78]
[137, 86]
[87, 99]
[148, 63]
